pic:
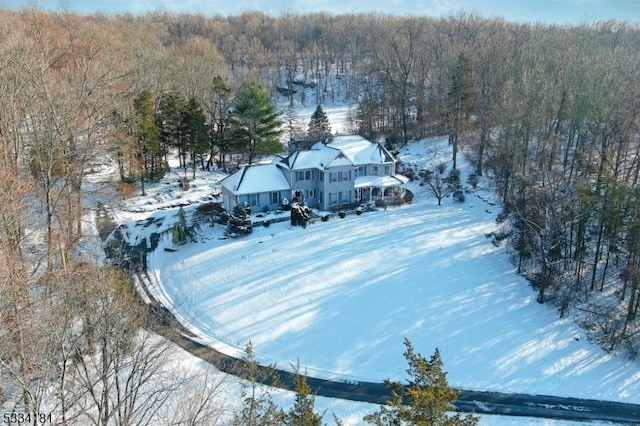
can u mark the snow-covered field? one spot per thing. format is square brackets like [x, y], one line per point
[339, 296]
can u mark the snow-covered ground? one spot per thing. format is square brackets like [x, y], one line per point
[339, 296]
[350, 413]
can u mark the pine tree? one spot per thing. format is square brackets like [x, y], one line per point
[239, 222]
[319, 127]
[181, 232]
[300, 214]
[149, 149]
[302, 413]
[255, 123]
[293, 130]
[169, 119]
[258, 408]
[196, 132]
[427, 398]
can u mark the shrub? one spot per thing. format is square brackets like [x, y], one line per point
[184, 183]
[458, 195]
[239, 222]
[381, 203]
[285, 205]
[453, 178]
[266, 223]
[473, 180]
[408, 197]
[341, 214]
[358, 211]
[324, 217]
[409, 173]
[127, 188]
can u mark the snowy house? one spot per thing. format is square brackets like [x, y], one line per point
[260, 186]
[347, 170]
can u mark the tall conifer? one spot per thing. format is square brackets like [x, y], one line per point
[319, 127]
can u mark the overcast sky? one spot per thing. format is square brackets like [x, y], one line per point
[548, 11]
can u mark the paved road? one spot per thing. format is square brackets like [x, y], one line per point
[163, 321]
[468, 402]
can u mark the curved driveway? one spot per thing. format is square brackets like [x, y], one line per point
[162, 321]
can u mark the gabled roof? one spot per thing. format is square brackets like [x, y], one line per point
[360, 151]
[256, 179]
[318, 157]
[343, 150]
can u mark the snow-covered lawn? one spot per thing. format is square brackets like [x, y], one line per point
[339, 296]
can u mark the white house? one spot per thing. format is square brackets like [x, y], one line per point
[345, 171]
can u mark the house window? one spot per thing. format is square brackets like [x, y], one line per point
[254, 199]
[333, 198]
[275, 197]
[321, 176]
[344, 197]
[320, 197]
[303, 175]
[311, 193]
[387, 170]
[375, 171]
[361, 171]
[334, 177]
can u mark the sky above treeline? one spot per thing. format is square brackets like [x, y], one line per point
[546, 11]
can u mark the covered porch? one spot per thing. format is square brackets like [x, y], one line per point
[387, 188]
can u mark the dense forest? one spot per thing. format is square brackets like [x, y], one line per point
[550, 114]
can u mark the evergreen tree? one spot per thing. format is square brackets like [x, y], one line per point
[149, 149]
[302, 413]
[258, 408]
[181, 232]
[195, 132]
[427, 398]
[319, 127]
[300, 214]
[255, 124]
[293, 130]
[169, 119]
[239, 222]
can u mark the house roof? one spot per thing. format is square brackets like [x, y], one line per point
[379, 181]
[343, 150]
[318, 157]
[256, 179]
[360, 151]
